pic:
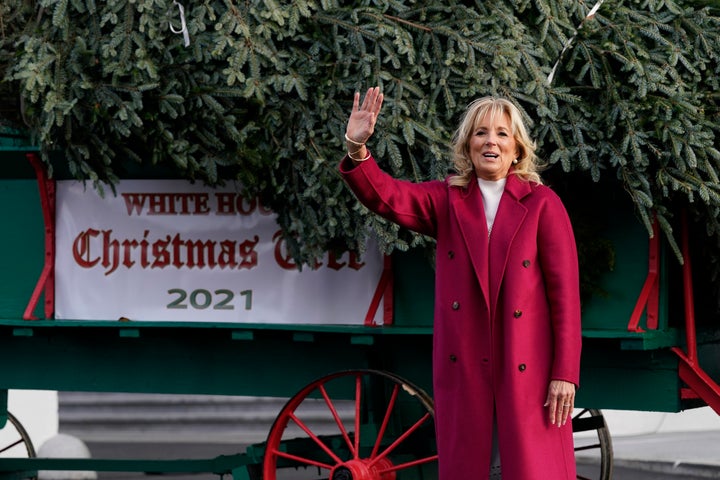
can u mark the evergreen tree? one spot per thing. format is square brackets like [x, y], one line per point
[621, 90]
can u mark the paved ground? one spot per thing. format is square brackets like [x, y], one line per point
[674, 452]
[675, 456]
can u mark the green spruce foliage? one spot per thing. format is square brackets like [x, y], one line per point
[628, 94]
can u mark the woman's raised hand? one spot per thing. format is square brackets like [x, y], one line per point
[361, 123]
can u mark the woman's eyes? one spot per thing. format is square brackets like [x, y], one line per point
[480, 133]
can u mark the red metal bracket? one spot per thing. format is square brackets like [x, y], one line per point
[46, 282]
[699, 383]
[383, 290]
[649, 298]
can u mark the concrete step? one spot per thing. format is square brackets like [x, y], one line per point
[127, 417]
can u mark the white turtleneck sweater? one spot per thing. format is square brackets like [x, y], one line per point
[492, 191]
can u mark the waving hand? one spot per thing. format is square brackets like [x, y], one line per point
[361, 123]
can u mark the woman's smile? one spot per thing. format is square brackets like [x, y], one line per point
[493, 147]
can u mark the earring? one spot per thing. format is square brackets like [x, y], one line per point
[515, 161]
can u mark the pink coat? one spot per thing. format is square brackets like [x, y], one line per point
[507, 318]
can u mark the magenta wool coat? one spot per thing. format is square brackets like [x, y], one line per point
[507, 318]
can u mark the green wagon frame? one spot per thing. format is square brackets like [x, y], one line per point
[642, 350]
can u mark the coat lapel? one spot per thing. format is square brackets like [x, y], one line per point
[510, 216]
[490, 256]
[470, 215]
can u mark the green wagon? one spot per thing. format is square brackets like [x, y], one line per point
[643, 350]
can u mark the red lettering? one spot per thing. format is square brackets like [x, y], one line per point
[229, 203]
[354, 261]
[134, 202]
[128, 246]
[225, 203]
[333, 262]
[158, 204]
[193, 203]
[286, 262]
[144, 262]
[81, 249]
[248, 255]
[226, 258]
[111, 252]
[167, 203]
[176, 251]
[177, 244]
[282, 258]
[198, 251]
[161, 253]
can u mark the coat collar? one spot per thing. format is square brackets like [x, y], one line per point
[489, 256]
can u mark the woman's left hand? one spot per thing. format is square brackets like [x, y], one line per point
[560, 401]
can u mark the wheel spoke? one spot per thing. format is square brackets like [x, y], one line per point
[338, 420]
[583, 412]
[414, 463]
[588, 447]
[314, 437]
[386, 420]
[5, 449]
[358, 398]
[401, 439]
[302, 460]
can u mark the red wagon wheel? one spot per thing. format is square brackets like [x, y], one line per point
[372, 425]
[359, 425]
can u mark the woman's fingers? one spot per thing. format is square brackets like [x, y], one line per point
[364, 115]
[560, 401]
[372, 101]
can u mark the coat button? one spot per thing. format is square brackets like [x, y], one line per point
[451, 254]
[522, 367]
[517, 313]
[453, 358]
[456, 305]
[526, 263]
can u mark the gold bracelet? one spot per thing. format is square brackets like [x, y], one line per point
[359, 159]
[357, 144]
[356, 151]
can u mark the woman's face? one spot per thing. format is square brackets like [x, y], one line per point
[492, 147]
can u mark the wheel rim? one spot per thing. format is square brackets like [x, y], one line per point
[354, 425]
[593, 445]
[15, 443]
[15, 440]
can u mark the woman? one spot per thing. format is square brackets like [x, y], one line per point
[507, 336]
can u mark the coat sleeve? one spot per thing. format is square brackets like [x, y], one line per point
[558, 256]
[410, 205]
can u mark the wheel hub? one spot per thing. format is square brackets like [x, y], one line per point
[342, 473]
[360, 469]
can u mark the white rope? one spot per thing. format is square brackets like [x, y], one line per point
[592, 12]
[183, 25]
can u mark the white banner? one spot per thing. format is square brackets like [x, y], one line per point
[170, 250]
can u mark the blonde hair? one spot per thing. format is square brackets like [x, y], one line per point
[527, 166]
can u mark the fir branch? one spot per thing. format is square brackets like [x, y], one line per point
[263, 93]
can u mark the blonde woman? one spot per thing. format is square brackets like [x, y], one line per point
[507, 335]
